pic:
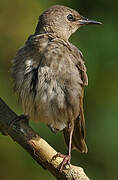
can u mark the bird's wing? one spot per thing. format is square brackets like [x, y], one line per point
[24, 68]
[79, 133]
[22, 64]
[79, 62]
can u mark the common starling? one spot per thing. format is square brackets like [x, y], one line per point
[49, 76]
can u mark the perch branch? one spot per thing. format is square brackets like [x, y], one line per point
[37, 147]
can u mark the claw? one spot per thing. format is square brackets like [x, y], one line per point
[66, 160]
[18, 118]
[58, 155]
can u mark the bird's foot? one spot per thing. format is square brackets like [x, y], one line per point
[19, 118]
[66, 160]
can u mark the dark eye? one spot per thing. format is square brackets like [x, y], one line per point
[70, 17]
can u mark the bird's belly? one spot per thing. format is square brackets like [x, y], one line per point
[55, 103]
[50, 104]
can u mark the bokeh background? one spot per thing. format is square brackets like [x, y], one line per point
[99, 45]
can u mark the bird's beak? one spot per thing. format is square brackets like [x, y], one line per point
[85, 21]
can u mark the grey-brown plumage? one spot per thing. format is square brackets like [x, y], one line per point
[49, 75]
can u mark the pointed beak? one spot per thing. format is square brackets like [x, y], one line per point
[85, 21]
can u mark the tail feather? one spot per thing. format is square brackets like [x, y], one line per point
[78, 138]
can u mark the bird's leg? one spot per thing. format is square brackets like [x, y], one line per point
[70, 141]
[66, 158]
[19, 118]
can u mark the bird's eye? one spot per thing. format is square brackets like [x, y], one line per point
[70, 17]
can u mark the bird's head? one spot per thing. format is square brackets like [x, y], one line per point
[61, 21]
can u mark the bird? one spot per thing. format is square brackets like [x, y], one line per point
[49, 76]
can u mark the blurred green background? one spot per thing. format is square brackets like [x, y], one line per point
[99, 45]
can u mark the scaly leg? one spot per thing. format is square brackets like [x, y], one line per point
[66, 158]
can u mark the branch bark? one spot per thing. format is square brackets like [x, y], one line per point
[37, 147]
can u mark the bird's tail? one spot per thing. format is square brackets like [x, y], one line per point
[79, 133]
[78, 138]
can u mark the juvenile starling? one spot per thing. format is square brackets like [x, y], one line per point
[49, 76]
